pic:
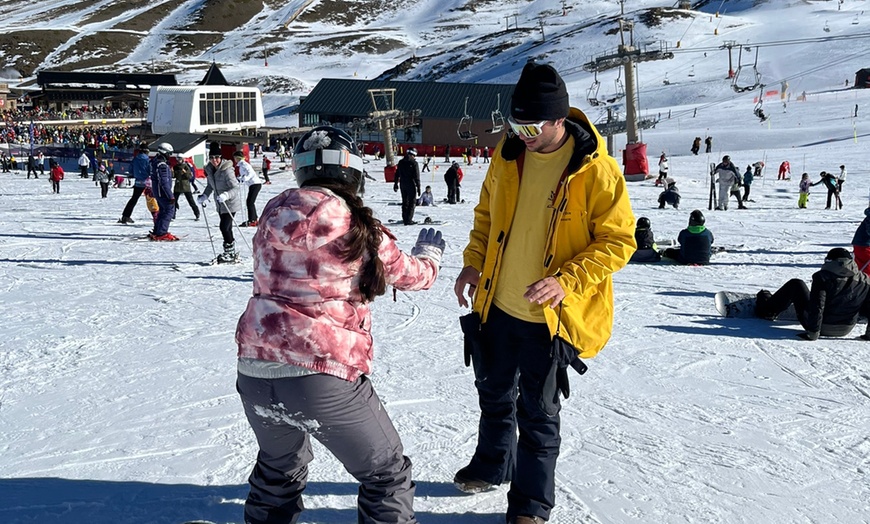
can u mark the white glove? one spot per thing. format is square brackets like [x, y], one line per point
[202, 199]
[429, 245]
[223, 197]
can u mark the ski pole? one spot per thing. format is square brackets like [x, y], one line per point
[208, 229]
[245, 240]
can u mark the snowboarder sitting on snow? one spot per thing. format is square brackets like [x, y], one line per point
[696, 242]
[830, 308]
[426, 198]
[671, 195]
[647, 251]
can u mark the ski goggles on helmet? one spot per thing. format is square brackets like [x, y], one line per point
[527, 130]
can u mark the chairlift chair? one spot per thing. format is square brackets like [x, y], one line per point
[592, 92]
[497, 117]
[735, 81]
[620, 89]
[464, 129]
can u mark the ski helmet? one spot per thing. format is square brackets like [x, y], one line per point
[165, 148]
[643, 223]
[697, 218]
[838, 253]
[327, 153]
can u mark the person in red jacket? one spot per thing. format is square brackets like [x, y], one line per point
[55, 175]
[305, 343]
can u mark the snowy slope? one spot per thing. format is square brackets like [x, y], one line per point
[117, 400]
[117, 365]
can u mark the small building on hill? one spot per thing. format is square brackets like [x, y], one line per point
[430, 115]
[862, 78]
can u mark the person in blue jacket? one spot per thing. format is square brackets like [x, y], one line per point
[696, 242]
[161, 187]
[141, 173]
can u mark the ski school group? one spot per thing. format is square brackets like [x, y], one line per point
[163, 178]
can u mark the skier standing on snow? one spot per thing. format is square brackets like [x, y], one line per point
[55, 174]
[538, 263]
[830, 182]
[696, 145]
[304, 340]
[841, 179]
[183, 174]
[729, 176]
[804, 188]
[248, 177]
[708, 143]
[696, 242]
[84, 163]
[663, 170]
[784, 172]
[161, 188]
[408, 179]
[141, 172]
[747, 183]
[830, 308]
[221, 180]
[452, 177]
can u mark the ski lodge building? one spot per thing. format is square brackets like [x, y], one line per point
[428, 116]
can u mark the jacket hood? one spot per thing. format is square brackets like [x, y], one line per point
[841, 267]
[867, 212]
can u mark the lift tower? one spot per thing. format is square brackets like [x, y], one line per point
[634, 157]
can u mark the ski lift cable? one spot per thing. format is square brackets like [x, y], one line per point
[798, 75]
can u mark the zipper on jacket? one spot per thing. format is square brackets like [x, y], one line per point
[498, 241]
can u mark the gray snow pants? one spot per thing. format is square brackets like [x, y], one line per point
[349, 420]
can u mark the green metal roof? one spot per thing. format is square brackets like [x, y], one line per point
[332, 96]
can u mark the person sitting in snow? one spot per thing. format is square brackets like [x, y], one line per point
[831, 306]
[671, 195]
[696, 242]
[426, 198]
[647, 250]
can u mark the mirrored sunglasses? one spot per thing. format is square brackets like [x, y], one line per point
[527, 130]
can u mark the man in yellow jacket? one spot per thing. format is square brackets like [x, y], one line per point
[553, 224]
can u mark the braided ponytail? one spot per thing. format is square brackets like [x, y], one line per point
[364, 239]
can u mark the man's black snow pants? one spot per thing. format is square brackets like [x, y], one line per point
[509, 372]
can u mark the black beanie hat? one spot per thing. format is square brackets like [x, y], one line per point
[214, 149]
[837, 253]
[540, 94]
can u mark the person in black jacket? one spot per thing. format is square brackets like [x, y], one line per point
[408, 178]
[830, 182]
[451, 178]
[696, 242]
[647, 251]
[839, 294]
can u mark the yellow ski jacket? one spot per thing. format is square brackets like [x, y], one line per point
[590, 236]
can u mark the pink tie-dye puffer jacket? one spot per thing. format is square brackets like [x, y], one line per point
[306, 309]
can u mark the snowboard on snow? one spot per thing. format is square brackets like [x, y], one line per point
[426, 222]
[742, 305]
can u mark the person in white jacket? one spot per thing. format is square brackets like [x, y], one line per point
[84, 164]
[248, 177]
[729, 176]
